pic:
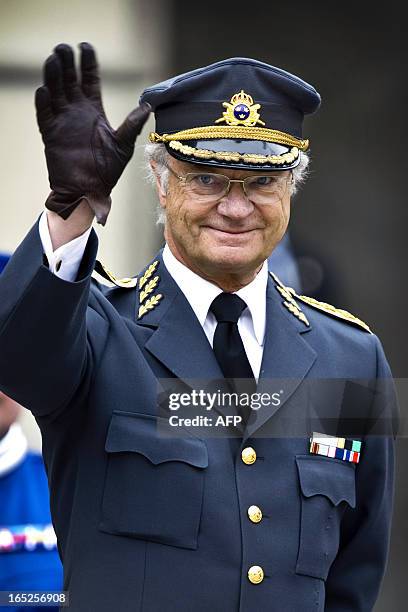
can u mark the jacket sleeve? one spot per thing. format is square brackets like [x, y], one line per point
[45, 359]
[355, 576]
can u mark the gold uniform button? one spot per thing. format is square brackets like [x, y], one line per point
[248, 455]
[255, 514]
[255, 574]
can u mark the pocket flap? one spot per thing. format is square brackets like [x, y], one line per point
[137, 433]
[329, 477]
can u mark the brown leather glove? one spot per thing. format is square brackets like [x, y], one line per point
[85, 155]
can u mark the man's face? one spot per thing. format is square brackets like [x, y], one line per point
[229, 237]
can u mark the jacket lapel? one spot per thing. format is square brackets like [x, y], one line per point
[177, 340]
[287, 357]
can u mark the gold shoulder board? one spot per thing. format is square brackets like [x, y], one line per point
[323, 306]
[124, 283]
[332, 310]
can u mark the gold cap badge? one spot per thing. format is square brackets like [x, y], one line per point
[241, 110]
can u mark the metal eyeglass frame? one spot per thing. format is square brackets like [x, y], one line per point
[242, 181]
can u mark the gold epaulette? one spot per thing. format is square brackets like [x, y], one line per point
[288, 293]
[124, 283]
[332, 310]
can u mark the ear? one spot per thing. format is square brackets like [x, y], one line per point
[160, 191]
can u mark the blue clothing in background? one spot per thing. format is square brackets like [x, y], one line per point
[24, 501]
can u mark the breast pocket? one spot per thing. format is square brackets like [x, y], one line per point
[154, 485]
[327, 489]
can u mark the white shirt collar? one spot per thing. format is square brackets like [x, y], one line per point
[200, 293]
[254, 295]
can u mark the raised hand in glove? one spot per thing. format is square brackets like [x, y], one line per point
[85, 155]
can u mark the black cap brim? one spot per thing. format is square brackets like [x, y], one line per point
[240, 154]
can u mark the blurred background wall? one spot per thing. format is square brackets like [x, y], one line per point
[349, 222]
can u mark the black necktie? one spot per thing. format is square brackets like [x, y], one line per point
[228, 346]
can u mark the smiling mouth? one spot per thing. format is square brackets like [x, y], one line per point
[231, 232]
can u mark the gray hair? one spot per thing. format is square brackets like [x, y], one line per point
[157, 152]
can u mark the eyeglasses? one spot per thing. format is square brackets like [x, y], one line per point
[209, 187]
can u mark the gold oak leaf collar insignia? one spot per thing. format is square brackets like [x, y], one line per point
[150, 285]
[289, 302]
[148, 273]
[146, 287]
[149, 305]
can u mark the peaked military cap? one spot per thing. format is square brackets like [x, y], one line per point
[236, 113]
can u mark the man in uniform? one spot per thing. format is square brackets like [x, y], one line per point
[262, 518]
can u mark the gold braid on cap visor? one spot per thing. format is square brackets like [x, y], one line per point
[239, 133]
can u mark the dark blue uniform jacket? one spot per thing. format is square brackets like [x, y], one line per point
[150, 523]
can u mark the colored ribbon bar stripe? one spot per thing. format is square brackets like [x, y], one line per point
[338, 448]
